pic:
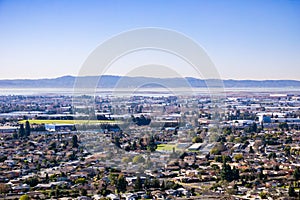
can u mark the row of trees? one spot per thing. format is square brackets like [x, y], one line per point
[141, 121]
[142, 143]
[121, 184]
[23, 132]
[229, 174]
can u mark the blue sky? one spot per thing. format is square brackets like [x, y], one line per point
[245, 39]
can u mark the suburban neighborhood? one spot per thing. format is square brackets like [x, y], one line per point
[150, 147]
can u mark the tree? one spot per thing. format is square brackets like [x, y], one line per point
[25, 197]
[75, 141]
[272, 155]
[229, 174]
[215, 151]
[254, 127]
[197, 139]
[138, 159]
[226, 172]
[263, 195]
[251, 150]
[47, 178]
[33, 181]
[261, 175]
[83, 192]
[15, 135]
[262, 125]
[112, 178]
[292, 192]
[227, 131]
[52, 146]
[121, 183]
[80, 181]
[296, 173]
[222, 158]
[126, 160]
[57, 192]
[141, 143]
[238, 157]
[284, 126]
[117, 142]
[133, 147]
[235, 173]
[289, 140]
[287, 150]
[163, 185]
[138, 185]
[215, 167]
[218, 148]
[222, 139]
[141, 121]
[147, 183]
[27, 129]
[155, 183]
[151, 146]
[21, 131]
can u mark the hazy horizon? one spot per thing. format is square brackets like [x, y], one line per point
[40, 78]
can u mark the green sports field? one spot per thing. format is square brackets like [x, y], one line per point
[166, 147]
[70, 122]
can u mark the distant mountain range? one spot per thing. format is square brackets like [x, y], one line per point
[107, 81]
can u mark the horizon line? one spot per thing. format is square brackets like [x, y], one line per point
[140, 76]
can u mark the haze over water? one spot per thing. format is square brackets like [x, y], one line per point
[142, 92]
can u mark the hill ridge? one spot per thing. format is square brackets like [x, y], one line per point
[111, 81]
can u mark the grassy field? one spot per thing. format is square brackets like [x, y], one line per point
[70, 122]
[166, 147]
